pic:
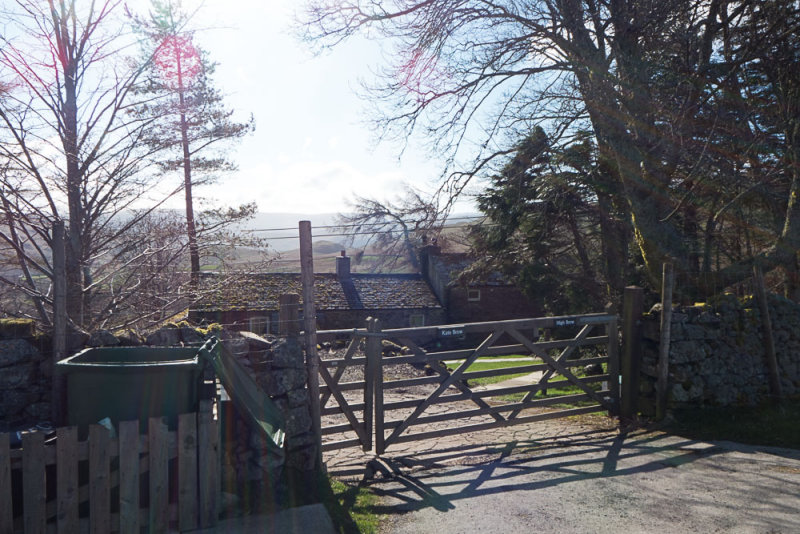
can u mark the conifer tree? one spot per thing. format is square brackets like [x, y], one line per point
[193, 124]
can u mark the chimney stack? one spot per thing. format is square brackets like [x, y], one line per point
[425, 254]
[343, 266]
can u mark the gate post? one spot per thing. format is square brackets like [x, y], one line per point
[667, 286]
[369, 382]
[59, 400]
[612, 330]
[374, 384]
[632, 309]
[310, 330]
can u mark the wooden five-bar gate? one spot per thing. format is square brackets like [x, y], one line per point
[382, 404]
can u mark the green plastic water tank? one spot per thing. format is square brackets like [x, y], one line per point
[131, 383]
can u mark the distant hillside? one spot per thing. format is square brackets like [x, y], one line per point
[326, 247]
[280, 230]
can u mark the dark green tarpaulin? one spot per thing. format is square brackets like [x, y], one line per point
[248, 397]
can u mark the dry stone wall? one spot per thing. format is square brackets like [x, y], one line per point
[717, 352]
[278, 366]
[24, 384]
[25, 375]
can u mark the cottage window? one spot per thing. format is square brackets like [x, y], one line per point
[417, 319]
[473, 295]
[259, 325]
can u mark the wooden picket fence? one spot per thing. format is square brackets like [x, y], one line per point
[162, 481]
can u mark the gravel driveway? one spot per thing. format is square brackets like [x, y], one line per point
[590, 481]
[576, 475]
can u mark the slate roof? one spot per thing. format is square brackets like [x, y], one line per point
[260, 292]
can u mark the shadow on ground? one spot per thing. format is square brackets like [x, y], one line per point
[660, 477]
[588, 455]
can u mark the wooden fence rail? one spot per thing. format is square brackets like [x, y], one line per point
[163, 481]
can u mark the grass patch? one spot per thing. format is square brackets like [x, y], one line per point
[774, 425]
[350, 507]
[558, 388]
[493, 359]
[489, 365]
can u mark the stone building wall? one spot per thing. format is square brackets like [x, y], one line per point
[490, 303]
[717, 354]
[326, 319]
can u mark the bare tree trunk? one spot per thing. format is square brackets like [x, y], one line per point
[577, 241]
[74, 243]
[57, 401]
[613, 247]
[411, 252]
[191, 228]
[768, 339]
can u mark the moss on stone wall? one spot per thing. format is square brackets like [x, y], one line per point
[11, 328]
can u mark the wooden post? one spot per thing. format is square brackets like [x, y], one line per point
[6, 505]
[632, 308]
[288, 316]
[613, 358]
[209, 457]
[67, 482]
[373, 402]
[158, 465]
[662, 384]
[380, 416]
[128, 477]
[188, 513]
[99, 480]
[310, 327]
[33, 483]
[58, 391]
[766, 327]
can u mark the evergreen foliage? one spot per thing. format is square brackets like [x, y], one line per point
[191, 125]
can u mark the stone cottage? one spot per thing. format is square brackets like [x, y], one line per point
[492, 298]
[249, 301]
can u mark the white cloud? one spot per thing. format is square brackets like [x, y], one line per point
[309, 153]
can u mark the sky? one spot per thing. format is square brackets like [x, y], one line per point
[311, 150]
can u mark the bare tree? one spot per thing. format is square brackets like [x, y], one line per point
[71, 150]
[395, 229]
[650, 79]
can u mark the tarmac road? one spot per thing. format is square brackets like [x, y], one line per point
[591, 482]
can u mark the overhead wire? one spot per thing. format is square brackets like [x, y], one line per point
[337, 226]
[392, 228]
